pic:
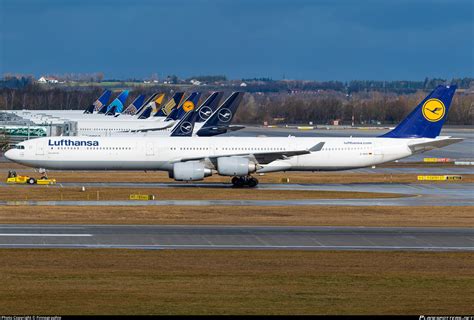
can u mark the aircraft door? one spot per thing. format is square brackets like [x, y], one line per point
[39, 149]
[149, 149]
[377, 151]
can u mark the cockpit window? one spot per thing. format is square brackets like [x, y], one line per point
[19, 146]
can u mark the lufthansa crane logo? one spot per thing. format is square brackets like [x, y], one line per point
[433, 110]
[224, 115]
[188, 106]
[186, 127]
[205, 112]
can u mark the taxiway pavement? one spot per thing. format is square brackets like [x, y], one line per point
[448, 194]
[236, 237]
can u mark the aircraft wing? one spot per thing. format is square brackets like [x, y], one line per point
[261, 157]
[430, 145]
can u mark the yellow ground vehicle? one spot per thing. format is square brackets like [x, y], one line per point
[16, 179]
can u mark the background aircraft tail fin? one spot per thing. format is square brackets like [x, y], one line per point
[209, 106]
[156, 102]
[89, 109]
[170, 105]
[185, 127]
[220, 120]
[111, 111]
[188, 105]
[146, 113]
[427, 119]
[99, 103]
[119, 102]
[135, 105]
[149, 103]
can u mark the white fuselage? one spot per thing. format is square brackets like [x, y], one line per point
[107, 127]
[97, 125]
[160, 153]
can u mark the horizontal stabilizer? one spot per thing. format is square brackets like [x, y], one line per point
[216, 130]
[430, 145]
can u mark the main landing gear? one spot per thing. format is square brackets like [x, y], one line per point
[243, 181]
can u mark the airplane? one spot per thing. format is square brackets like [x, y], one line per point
[116, 105]
[169, 106]
[100, 107]
[152, 103]
[188, 105]
[129, 113]
[162, 114]
[219, 121]
[202, 115]
[210, 103]
[109, 126]
[99, 103]
[208, 117]
[150, 109]
[194, 158]
[155, 103]
[135, 106]
[58, 117]
[185, 127]
[42, 116]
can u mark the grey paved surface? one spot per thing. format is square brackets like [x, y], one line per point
[455, 194]
[413, 170]
[236, 237]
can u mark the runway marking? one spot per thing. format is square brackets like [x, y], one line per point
[319, 243]
[365, 238]
[229, 246]
[45, 235]
[264, 243]
[412, 195]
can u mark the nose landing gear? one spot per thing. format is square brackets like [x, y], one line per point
[242, 181]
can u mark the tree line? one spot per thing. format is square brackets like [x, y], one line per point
[320, 107]
[362, 108]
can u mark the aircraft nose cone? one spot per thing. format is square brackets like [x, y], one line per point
[10, 154]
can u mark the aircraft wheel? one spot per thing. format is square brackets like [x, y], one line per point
[238, 182]
[31, 181]
[252, 182]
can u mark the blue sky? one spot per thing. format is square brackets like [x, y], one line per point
[298, 39]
